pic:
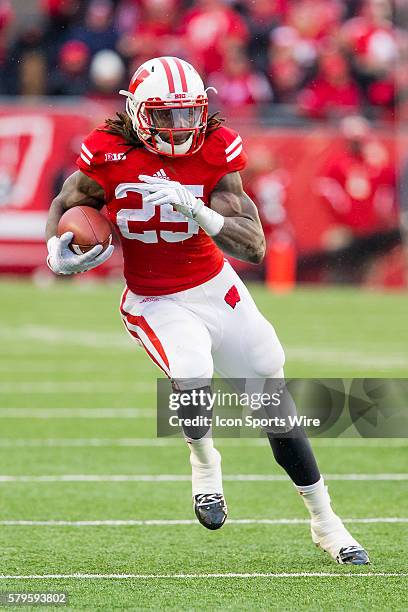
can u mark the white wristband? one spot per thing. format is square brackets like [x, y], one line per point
[211, 221]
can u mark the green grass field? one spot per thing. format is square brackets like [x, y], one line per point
[77, 438]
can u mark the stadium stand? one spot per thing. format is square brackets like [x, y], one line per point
[288, 73]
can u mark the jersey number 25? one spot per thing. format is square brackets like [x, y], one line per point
[167, 214]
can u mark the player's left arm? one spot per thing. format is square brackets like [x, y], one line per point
[241, 234]
[231, 220]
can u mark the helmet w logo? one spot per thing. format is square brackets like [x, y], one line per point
[139, 76]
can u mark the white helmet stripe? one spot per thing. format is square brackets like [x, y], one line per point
[168, 72]
[182, 73]
[176, 75]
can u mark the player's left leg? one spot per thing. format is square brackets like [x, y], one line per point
[250, 349]
[294, 454]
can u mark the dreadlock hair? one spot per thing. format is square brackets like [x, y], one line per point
[122, 126]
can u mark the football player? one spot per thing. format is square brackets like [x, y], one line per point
[170, 178]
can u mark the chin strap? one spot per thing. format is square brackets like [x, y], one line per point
[180, 149]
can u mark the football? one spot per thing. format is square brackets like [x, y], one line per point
[89, 227]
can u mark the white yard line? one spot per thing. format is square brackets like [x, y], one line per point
[49, 366]
[76, 413]
[175, 522]
[80, 576]
[57, 336]
[75, 386]
[351, 477]
[369, 359]
[359, 442]
[88, 442]
[361, 359]
[154, 442]
[186, 478]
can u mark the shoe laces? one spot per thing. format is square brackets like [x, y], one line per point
[206, 499]
[349, 549]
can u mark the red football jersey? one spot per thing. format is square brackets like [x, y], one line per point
[163, 251]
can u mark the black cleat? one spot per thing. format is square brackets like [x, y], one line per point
[210, 509]
[353, 555]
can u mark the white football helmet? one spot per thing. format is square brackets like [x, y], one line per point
[168, 106]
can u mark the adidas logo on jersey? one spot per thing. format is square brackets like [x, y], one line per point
[161, 174]
[114, 156]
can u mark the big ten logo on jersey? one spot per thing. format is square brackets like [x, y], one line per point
[125, 217]
[114, 157]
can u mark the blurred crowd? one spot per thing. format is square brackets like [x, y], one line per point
[354, 185]
[324, 57]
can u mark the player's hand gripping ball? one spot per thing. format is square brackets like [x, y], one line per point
[83, 241]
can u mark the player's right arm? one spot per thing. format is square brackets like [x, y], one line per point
[79, 189]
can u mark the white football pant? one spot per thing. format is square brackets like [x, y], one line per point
[215, 326]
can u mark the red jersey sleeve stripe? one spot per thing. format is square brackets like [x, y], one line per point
[233, 144]
[235, 153]
[169, 74]
[85, 159]
[86, 151]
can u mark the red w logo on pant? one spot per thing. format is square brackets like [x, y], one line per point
[232, 296]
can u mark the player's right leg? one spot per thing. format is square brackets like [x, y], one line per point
[179, 343]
